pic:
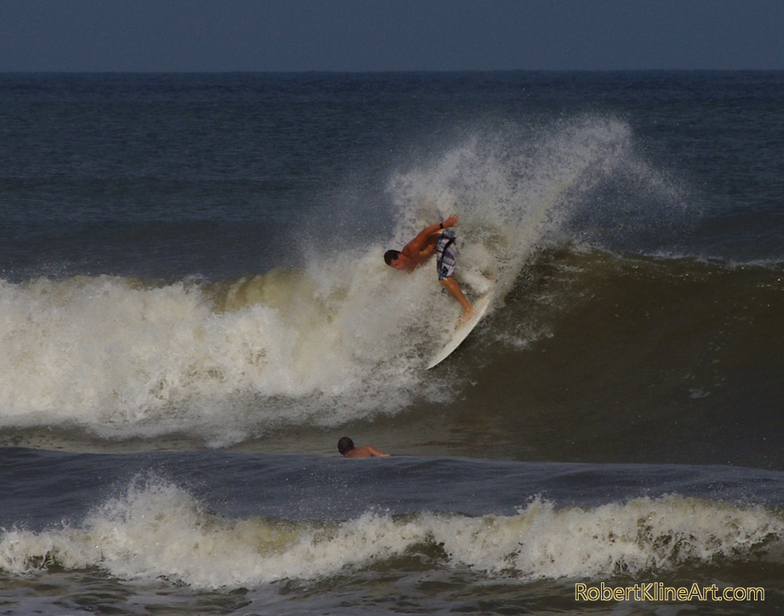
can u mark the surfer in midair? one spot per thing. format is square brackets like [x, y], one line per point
[439, 240]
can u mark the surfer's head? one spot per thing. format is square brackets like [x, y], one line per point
[390, 256]
[392, 259]
[345, 445]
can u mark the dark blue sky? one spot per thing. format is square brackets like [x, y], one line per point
[389, 35]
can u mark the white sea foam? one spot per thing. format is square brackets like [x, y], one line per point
[343, 338]
[124, 359]
[157, 530]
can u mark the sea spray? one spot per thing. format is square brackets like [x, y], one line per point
[514, 189]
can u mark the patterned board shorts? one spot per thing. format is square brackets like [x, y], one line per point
[446, 252]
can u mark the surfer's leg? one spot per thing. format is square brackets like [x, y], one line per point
[446, 262]
[454, 288]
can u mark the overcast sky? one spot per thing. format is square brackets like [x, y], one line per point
[389, 35]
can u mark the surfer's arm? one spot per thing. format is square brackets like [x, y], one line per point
[366, 451]
[423, 245]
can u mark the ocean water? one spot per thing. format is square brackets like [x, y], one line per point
[194, 308]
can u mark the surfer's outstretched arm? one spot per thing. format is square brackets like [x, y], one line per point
[423, 245]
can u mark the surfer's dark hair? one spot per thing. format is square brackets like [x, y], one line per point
[345, 445]
[390, 255]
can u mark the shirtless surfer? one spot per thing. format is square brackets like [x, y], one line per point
[436, 239]
[348, 450]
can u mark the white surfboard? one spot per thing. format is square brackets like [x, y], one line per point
[461, 333]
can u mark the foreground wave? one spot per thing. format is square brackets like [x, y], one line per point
[157, 530]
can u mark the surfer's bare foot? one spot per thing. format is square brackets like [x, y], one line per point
[467, 316]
